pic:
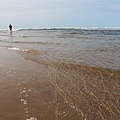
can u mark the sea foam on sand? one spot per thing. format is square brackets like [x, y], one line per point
[17, 49]
[32, 118]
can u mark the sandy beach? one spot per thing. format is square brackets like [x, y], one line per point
[26, 92]
[59, 75]
[22, 93]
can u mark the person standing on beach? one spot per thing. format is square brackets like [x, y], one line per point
[10, 27]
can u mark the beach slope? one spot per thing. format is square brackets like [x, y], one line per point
[25, 91]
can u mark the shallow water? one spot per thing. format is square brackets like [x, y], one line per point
[79, 46]
[83, 66]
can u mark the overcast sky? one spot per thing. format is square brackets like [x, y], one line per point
[59, 13]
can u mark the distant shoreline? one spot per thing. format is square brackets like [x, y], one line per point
[66, 28]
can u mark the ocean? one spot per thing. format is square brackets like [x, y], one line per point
[83, 65]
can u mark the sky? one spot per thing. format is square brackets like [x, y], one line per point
[59, 13]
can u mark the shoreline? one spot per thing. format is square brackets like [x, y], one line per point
[65, 28]
[26, 92]
[33, 90]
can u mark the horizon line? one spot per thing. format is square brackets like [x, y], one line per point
[47, 28]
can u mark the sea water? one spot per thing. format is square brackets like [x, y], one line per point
[78, 46]
[83, 65]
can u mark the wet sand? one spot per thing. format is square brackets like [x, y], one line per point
[25, 91]
[56, 92]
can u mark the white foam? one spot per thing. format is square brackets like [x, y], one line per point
[17, 49]
[24, 91]
[14, 48]
[25, 102]
[32, 118]
[26, 112]
[29, 90]
[22, 100]
[26, 95]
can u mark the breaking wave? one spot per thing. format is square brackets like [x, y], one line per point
[17, 49]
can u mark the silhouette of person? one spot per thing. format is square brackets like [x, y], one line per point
[10, 27]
